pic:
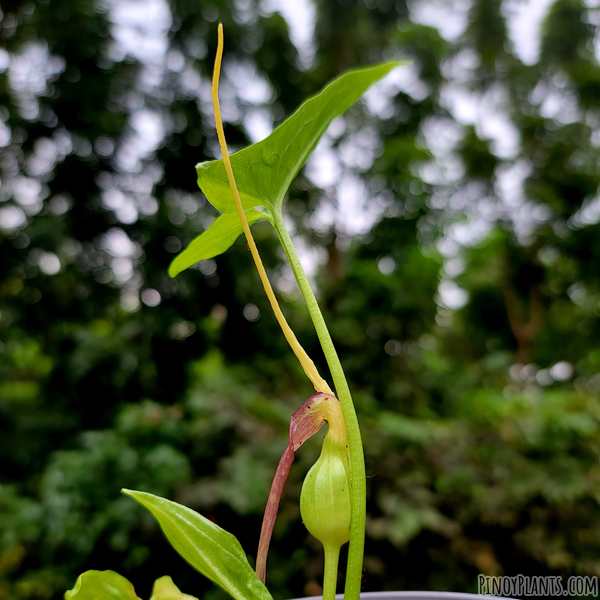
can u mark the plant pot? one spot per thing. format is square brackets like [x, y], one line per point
[415, 596]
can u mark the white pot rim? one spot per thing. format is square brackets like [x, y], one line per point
[414, 595]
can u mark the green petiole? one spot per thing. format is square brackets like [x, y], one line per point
[355, 447]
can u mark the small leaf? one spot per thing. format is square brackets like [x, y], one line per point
[214, 241]
[165, 589]
[264, 171]
[106, 585]
[211, 550]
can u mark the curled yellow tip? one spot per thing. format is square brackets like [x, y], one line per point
[307, 364]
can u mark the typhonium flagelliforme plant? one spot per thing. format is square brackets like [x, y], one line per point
[246, 187]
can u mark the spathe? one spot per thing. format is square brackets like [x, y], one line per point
[320, 408]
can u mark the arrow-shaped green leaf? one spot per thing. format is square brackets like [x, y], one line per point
[265, 170]
[214, 241]
[211, 550]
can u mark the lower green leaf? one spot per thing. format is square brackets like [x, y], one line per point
[106, 585]
[218, 238]
[165, 589]
[211, 550]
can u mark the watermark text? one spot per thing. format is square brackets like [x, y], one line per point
[525, 585]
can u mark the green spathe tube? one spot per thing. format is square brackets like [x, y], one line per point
[325, 497]
[325, 503]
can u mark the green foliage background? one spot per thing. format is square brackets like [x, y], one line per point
[481, 422]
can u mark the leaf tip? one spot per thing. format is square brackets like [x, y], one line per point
[137, 496]
[174, 268]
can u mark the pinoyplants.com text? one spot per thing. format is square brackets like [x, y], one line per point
[524, 585]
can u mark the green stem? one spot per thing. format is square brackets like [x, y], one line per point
[357, 460]
[332, 555]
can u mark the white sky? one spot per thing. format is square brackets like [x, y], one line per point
[300, 16]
